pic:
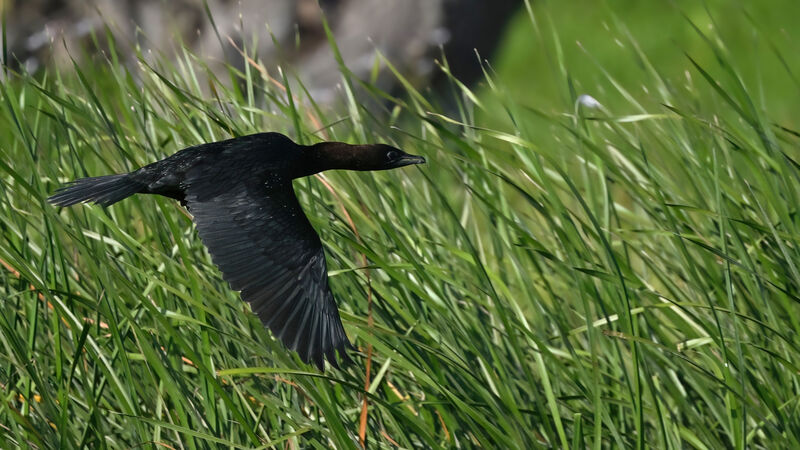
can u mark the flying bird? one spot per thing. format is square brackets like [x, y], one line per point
[239, 192]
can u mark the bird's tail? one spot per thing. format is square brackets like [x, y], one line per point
[104, 190]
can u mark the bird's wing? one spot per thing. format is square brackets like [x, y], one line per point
[265, 247]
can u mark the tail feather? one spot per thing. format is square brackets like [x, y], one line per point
[103, 191]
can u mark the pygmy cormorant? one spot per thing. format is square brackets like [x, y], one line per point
[240, 193]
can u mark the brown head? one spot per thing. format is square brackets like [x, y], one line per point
[338, 155]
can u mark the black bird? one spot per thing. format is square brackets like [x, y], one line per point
[240, 193]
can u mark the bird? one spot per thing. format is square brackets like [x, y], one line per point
[239, 193]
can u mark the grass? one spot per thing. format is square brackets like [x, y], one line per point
[556, 276]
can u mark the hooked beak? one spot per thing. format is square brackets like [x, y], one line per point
[407, 160]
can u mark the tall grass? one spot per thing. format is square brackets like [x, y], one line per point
[573, 277]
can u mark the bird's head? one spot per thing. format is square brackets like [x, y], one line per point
[381, 157]
[338, 155]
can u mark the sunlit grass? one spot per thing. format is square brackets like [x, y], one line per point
[630, 279]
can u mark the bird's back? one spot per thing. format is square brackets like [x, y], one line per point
[262, 157]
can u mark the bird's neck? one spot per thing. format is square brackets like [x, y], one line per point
[327, 156]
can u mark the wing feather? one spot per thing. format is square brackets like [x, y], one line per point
[265, 247]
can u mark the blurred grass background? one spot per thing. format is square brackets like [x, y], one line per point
[561, 274]
[595, 37]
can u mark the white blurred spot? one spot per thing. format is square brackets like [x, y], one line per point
[588, 101]
[439, 36]
[38, 39]
[31, 65]
[83, 27]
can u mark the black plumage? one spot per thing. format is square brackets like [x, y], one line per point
[240, 194]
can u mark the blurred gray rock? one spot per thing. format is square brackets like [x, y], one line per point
[409, 33]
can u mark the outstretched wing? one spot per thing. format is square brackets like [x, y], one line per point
[265, 247]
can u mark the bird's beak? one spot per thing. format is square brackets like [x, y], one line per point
[407, 160]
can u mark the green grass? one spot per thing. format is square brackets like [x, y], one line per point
[555, 276]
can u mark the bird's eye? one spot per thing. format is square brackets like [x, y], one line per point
[390, 155]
